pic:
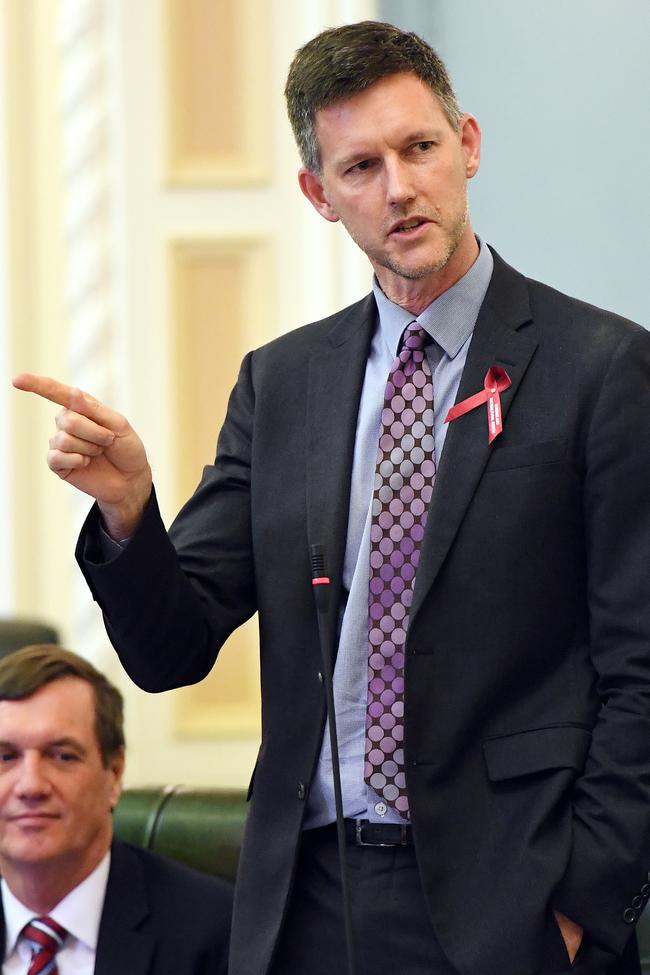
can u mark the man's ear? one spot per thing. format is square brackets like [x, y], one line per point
[116, 772]
[470, 140]
[312, 187]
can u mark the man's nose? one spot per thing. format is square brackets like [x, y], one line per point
[399, 181]
[32, 781]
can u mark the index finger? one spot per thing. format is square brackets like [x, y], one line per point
[43, 386]
[70, 397]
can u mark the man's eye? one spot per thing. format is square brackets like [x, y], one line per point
[361, 167]
[65, 756]
[7, 756]
[423, 146]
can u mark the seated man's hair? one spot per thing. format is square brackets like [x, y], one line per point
[25, 671]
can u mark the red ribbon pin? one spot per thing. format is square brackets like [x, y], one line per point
[496, 380]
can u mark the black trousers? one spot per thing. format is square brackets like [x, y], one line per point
[392, 929]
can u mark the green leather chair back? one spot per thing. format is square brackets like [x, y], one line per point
[17, 633]
[202, 828]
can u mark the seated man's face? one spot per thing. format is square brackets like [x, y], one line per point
[56, 795]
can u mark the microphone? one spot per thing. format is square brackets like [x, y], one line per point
[321, 586]
[319, 578]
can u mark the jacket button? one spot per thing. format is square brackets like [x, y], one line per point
[320, 677]
[637, 902]
[645, 890]
[629, 916]
[302, 792]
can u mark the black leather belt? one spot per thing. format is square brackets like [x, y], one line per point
[364, 833]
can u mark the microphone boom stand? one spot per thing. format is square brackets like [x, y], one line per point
[320, 582]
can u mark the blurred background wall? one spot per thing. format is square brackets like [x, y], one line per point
[561, 91]
[152, 231]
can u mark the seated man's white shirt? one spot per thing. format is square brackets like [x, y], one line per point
[79, 912]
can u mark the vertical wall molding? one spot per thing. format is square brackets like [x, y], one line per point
[89, 292]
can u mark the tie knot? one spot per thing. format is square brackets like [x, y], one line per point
[45, 937]
[414, 337]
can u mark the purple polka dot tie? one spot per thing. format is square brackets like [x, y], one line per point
[403, 485]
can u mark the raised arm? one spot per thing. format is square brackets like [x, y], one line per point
[96, 450]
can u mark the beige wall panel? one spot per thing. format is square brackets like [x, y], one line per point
[41, 563]
[227, 702]
[21, 337]
[217, 285]
[221, 287]
[218, 91]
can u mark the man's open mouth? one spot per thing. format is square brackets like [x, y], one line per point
[405, 226]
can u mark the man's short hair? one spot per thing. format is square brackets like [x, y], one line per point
[25, 671]
[343, 61]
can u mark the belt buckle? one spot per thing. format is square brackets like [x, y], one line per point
[360, 823]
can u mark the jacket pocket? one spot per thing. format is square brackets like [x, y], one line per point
[536, 750]
[527, 455]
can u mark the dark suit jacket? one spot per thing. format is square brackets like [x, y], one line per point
[160, 918]
[528, 655]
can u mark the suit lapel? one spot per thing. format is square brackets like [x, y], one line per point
[335, 381]
[498, 340]
[121, 946]
[336, 374]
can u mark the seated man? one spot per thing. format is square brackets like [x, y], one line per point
[74, 900]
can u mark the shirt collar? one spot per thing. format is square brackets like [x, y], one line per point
[79, 912]
[450, 318]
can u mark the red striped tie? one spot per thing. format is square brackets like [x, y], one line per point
[45, 937]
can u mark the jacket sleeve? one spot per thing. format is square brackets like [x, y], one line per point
[606, 883]
[171, 600]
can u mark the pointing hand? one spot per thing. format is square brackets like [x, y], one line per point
[96, 450]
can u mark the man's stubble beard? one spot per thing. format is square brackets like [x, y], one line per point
[409, 273]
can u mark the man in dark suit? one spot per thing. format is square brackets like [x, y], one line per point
[68, 890]
[505, 830]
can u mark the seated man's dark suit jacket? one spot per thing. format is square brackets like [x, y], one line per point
[527, 728]
[160, 918]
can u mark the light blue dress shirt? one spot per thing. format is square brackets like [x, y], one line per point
[449, 320]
